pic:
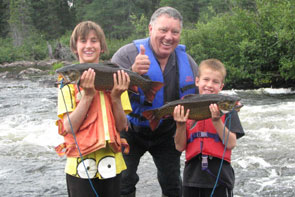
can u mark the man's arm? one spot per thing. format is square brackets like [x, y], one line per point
[193, 64]
[125, 56]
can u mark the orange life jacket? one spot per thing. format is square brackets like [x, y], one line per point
[91, 135]
[203, 139]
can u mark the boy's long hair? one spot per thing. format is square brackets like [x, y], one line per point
[82, 30]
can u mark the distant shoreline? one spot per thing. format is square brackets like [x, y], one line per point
[37, 64]
[25, 69]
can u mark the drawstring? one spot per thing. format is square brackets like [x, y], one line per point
[72, 130]
[225, 144]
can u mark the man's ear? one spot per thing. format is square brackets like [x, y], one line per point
[150, 29]
[197, 81]
[221, 86]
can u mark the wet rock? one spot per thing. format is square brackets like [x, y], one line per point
[28, 69]
[63, 52]
[47, 63]
[18, 64]
[4, 75]
[25, 74]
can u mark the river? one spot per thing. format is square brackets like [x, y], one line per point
[264, 159]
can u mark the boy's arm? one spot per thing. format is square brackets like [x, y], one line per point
[180, 135]
[219, 126]
[121, 84]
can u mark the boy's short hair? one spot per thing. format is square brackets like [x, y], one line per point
[213, 64]
[83, 29]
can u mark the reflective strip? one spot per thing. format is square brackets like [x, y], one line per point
[104, 115]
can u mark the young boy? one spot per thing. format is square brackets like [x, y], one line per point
[204, 154]
[96, 118]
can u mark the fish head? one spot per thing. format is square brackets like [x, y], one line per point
[71, 76]
[229, 105]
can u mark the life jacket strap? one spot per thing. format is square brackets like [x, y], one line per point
[140, 99]
[205, 168]
[62, 148]
[125, 146]
[203, 134]
[187, 87]
[139, 117]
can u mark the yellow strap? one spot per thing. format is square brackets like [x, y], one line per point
[104, 115]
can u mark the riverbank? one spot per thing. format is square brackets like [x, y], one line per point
[27, 69]
[31, 69]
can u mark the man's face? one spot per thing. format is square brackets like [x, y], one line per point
[165, 35]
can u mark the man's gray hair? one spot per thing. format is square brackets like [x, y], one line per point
[172, 12]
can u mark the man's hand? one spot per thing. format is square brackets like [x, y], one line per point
[142, 62]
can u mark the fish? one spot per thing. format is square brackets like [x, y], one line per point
[104, 78]
[198, 105]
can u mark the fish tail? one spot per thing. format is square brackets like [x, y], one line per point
[133, 89]
[150, 92]
[150, 115]
[154, 124]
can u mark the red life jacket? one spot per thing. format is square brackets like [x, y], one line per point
[203, 139]
[91, 135]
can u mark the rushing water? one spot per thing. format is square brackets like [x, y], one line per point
[264, 159]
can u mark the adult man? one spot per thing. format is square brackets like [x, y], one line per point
[161, 58]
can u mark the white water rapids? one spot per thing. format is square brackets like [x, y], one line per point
[264, 159]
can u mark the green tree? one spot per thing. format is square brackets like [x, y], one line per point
[111, 15]
[52, 18]
[189, 9]
[257, 46]
[115, 16]
[4, 17]
[20, 21]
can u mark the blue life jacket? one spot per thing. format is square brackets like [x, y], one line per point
[186, 82]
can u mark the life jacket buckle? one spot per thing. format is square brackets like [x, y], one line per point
[204, 162]
[203, 134]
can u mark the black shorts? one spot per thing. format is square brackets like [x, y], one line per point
[78, 187]
[220, 191]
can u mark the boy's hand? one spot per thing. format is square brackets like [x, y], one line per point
[215, 113]
[87, 82]
[178, 114]
[121, 83]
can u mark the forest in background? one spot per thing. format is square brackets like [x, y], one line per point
[255, 39]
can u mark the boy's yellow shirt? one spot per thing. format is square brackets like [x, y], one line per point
[93, 159]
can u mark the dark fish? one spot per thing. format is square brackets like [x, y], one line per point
[104, 78]
[198, 105]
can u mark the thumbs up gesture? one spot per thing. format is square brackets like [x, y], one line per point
[142, 62]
